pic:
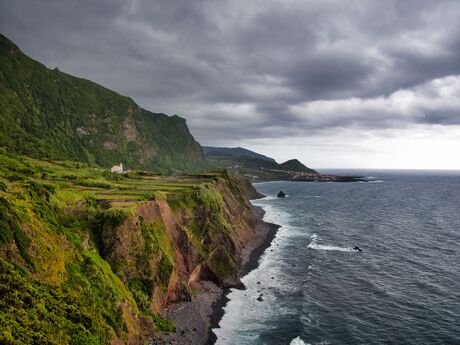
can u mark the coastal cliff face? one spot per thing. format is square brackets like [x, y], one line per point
[96, 260]
[48, 113]
[165, 246]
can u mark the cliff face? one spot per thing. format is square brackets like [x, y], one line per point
[88, 257]
[48, 113]
[165, 247]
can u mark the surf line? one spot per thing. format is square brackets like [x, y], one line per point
[314, 245]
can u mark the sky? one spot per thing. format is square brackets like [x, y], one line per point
[336, 84]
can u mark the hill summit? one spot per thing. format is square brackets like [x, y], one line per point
[296, 165]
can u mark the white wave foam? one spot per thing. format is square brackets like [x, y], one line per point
[267, 197]
[297, 341]
[327, 247]
[314, 245]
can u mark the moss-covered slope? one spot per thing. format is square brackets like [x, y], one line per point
[88, 257]
[47, 113]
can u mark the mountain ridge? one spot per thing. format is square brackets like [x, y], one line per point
[235, 151]
[51, 114]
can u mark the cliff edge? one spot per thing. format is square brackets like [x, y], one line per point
[89, 257]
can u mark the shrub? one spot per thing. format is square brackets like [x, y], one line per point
[163, 324]
[31, 313]
[10, 229]
[95, 183]
[154, 196]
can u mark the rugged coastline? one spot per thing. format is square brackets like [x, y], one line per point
[195, 320]
[124, 251]
[266, 233]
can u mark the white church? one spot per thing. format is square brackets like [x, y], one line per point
[117, 169]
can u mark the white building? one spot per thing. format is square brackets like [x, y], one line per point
[117, 168]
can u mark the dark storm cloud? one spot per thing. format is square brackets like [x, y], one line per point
[239, 69]
[328, 74]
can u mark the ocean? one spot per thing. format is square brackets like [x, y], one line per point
[402, 288]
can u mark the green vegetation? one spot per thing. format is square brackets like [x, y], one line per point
[10, 230]
[32, 313]
[83, 250]
[47, 113]
[86, 256]
[58, 212]
[163, 324]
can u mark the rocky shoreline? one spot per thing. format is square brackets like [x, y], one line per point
[194, 320]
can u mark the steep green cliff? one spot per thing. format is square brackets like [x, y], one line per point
[89, 257]
[47, 113]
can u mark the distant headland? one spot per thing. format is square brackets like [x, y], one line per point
[259, 168]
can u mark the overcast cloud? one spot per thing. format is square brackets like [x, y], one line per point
[336, 83]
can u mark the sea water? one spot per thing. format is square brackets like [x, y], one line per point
[403, 288]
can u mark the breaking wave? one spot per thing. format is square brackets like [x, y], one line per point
[314, 245]
[297, 341]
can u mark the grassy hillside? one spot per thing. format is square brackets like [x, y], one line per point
[258, 167]
[234, 151]
[47, 113]
[90, 257]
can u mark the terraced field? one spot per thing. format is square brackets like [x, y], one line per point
[77, 183]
